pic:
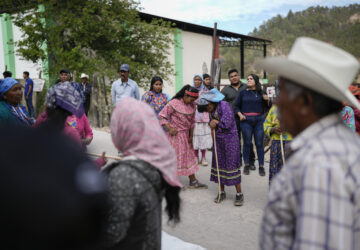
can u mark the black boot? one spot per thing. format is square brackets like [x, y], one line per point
[246, 170]
[261, 171]
[252, 166]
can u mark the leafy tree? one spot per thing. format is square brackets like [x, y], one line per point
[93, 36]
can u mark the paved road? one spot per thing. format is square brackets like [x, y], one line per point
[212, 226]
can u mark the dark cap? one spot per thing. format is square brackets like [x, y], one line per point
[52, 196]
[125, 67]
[65, 71]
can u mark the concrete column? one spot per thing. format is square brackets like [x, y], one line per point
[178, 60]
[8, 43]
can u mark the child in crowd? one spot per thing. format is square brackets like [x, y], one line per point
[202, 134]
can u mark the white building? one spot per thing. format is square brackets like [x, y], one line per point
[191, 52]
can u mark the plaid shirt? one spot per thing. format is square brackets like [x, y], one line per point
[314, 202]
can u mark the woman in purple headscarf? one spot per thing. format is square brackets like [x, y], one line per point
[63, 101]
[11, 111]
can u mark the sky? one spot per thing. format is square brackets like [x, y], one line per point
[240, 16]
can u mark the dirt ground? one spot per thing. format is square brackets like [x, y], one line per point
[205, 223]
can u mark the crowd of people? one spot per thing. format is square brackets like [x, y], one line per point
[313, 170]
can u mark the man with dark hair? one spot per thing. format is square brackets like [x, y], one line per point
[7, 74]
[231, 92]
[29, 87]
[314, 201]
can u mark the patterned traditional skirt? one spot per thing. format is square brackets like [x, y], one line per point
[186, 161]
[276, 161]
[202, 136]
[229, 161]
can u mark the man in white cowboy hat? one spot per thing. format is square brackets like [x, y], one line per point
[86, 90]
[314, 202]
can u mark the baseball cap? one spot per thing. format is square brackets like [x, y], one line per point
[125, 67]
[65, 71]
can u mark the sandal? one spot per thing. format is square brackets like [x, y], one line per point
[221, 198]
[198, 185]
[204, 162]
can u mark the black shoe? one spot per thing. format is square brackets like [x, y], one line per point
[246, 170]
[261, 171]
[252, 166]
[239, 199]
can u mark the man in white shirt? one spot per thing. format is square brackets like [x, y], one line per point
[314, 202]
[124, 86]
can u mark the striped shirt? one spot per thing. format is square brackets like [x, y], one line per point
[314, 202]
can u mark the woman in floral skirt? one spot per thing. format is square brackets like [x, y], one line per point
[178, 117]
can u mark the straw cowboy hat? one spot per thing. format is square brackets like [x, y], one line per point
[318, 66]
[84, 76]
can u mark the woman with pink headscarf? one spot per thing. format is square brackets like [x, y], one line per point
[139, 181]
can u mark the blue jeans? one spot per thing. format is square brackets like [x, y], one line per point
[30, 106]
[253, 125]
[252, 154]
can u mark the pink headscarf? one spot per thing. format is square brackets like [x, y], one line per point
[135, 131]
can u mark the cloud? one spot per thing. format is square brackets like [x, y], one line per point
[206, 12]
[226, 10]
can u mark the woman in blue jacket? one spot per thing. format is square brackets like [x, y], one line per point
[249, 106]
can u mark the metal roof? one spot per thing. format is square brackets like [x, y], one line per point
[222, 34]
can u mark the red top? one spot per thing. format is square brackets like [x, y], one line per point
[71, 132]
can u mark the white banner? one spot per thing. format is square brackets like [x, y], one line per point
[38, 84]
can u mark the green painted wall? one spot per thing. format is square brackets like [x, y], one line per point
[178, 60]
[45, 63]
[8, 43]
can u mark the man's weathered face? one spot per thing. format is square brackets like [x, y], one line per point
[234, 78]
[124, 75]
[287, 109]
[84, 80]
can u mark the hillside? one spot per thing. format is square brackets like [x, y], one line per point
[338, 25]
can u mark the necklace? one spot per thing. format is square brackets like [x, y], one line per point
[254, 92]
